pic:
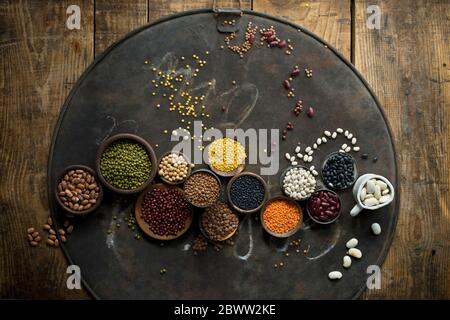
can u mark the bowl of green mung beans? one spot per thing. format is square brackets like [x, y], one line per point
[126, 163]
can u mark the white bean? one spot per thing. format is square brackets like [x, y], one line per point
[339, 130]
[327, 133]
[353, 242]
[334, 135]
[346, 262]
[335, 275]
[355, 253]
[297, 149]
[376, 228]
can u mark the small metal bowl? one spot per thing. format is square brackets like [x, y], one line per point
[223, 173]
[284, 174]
[215, 177]
[355, 169]
[286, 234]
[75, 213]
[127, 136]
[317, 220]
[173, 183]
[205, 234]
[144, 226]
[230, 183]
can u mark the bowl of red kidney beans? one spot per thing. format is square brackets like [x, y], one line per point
[324, 206]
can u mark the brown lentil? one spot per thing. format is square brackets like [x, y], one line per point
[219, 221]
[202, 189]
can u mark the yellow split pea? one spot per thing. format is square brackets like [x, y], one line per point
[226, 154]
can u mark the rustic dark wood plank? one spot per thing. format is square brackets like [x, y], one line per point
[407, 62]
[40, 61]
[115, 18]
[160, 8]
[329, 19]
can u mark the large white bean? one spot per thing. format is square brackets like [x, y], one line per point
[346, 262]
[355, 253]
[335, 275]
[353, 242]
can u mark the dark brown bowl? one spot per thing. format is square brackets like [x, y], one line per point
[75, 213]
[135, 138]
[246, 173]
[215, 176]
[286, 234]
[173, 183]
[144, 226]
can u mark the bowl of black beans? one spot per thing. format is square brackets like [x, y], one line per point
[247, 192]
[339, 170]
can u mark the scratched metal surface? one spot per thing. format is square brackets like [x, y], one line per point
[114, 96]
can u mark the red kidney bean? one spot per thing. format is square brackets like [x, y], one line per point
[282, 44]
[287, 84]
[273, 43]
[295, 72]
[310, 112]
[324, 206]
[267, 34]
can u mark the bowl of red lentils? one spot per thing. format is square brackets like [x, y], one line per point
[281, 217]
[162, 212]
[78, 191]
[126, 163]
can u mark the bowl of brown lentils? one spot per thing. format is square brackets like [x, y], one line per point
[174, 167]
[218, 222]
[78, 190]
[126, 163]
[202, 188]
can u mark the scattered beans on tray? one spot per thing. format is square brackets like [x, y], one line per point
[202, 189]
[78, 190]
[324, 205]
[219, 221]
[165, 211]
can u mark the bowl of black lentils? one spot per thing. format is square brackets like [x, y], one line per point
[247, 192]
[78, 190]
[126, 163]
[339, 170]
[162, 212]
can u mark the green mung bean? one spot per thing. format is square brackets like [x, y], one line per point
[125, 165]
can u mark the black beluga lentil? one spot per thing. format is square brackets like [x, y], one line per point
[339, 171]
[247, 192]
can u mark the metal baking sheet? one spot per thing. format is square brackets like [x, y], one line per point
[114, 96]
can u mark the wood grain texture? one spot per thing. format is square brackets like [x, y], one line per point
[115, 18]
[330, 20]
[40, 60]
[407, 62]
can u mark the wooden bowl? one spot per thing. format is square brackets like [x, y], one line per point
[217, 179]
[173, 183]
[127, 136]
[223, 173]
[75, 213]
[144, 226]
[246, 173]
[205, 234]
[285, 234]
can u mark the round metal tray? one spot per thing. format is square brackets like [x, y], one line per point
[114, 96]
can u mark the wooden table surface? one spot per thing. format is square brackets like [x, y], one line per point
[406, 61]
